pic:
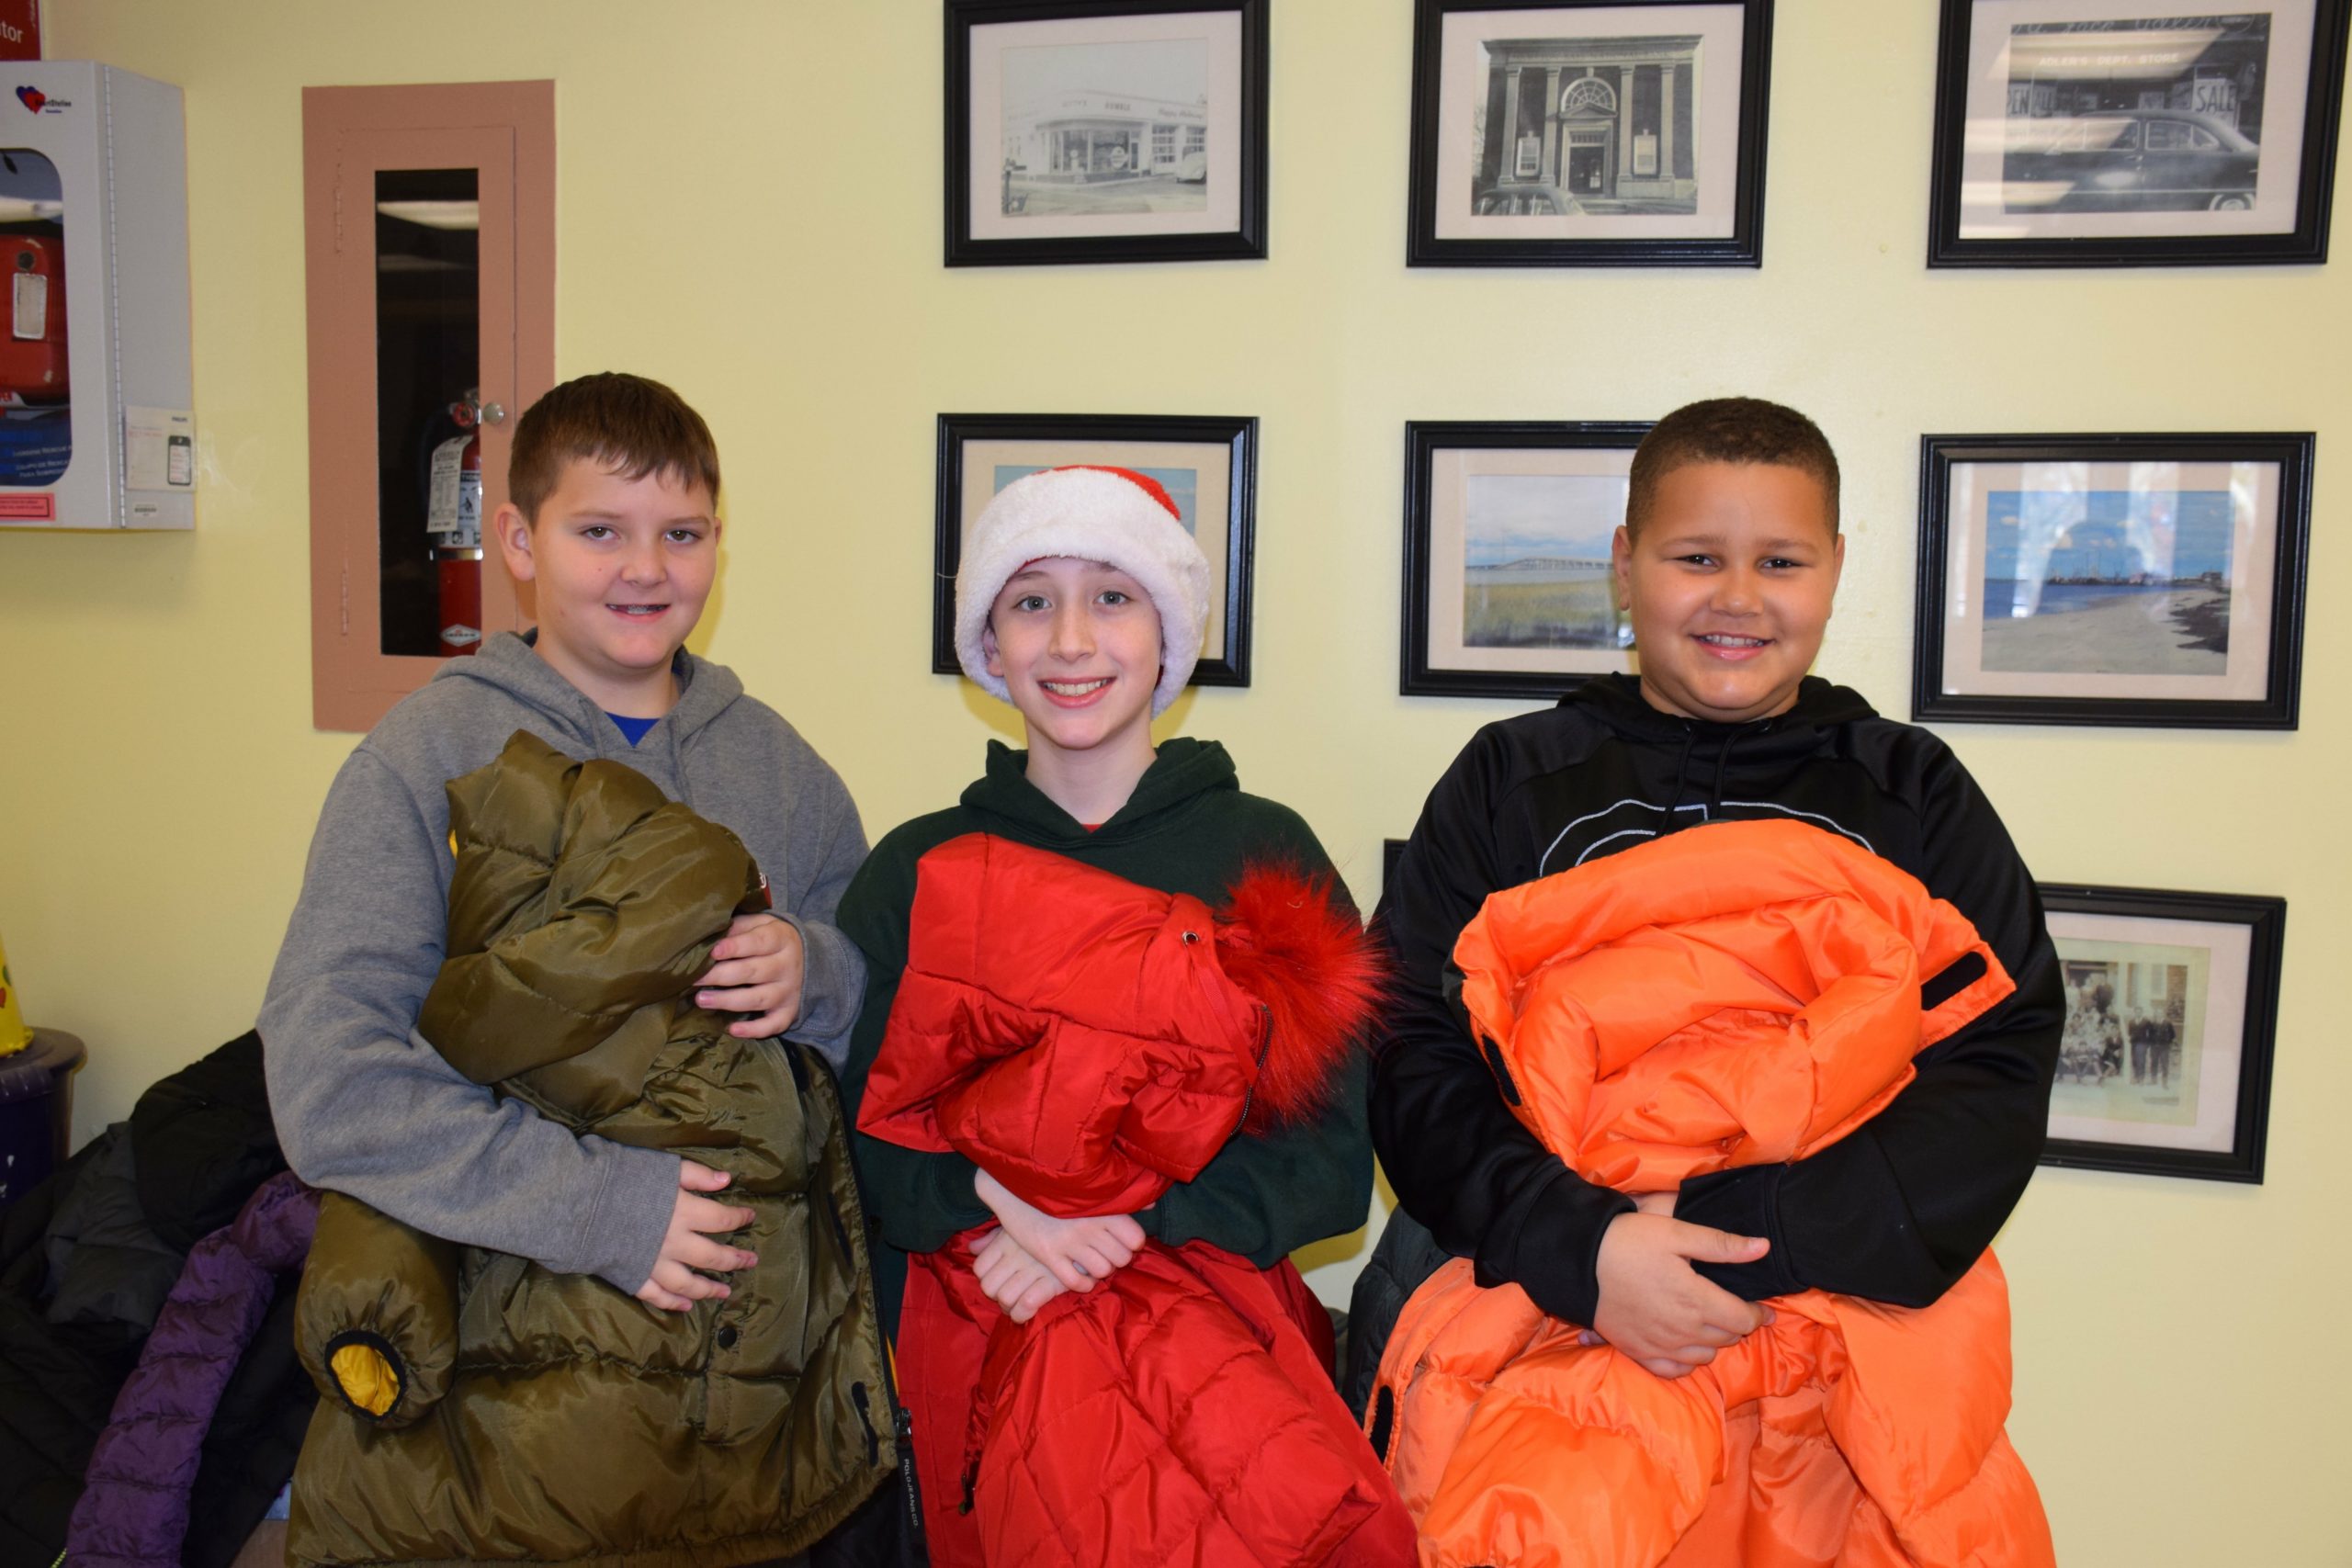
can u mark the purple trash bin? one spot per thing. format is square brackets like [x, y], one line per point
[35, 1110]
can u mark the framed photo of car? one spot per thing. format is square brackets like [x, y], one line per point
[1508, 587]
[1589, 132]
[1106, 131]
[2123, 579]
[2125, 133]
[2171, 1020]
[1208, 466]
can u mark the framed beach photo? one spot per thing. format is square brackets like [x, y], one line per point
[1106, 131]
[2133, 579]
[1589, 132]
[2172, 1012]
[1508, 589]
[1207, 465]
[2134, 133]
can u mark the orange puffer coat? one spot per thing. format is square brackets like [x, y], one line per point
[1089, 1041]
[1724, 995]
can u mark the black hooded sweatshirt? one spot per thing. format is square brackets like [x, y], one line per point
[1896, 1211]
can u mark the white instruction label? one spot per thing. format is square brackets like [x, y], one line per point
[158, 448]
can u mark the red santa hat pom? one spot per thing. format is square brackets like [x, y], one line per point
[1283, 939]
[1113, 515]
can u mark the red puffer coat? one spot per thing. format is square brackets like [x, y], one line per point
[1725, 996]
[1089, 1041]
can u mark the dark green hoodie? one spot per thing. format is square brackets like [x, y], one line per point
[1187, 828]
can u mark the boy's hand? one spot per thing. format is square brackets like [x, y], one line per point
[1011, 1279]
[674, 1286]
[1076, 1252]
[756, 968]
[1654, 1307]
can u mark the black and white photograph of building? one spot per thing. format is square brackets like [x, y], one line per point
[1094, 128]
[1605, 126]
[2158, 114]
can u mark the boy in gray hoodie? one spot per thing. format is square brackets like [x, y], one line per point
[614, 487]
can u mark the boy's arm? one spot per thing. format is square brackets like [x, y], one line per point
[363, 1105]
[1900, 1209]
[1462, 1164]
[828, 845]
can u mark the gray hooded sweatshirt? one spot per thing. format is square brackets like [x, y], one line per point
[364, 1105]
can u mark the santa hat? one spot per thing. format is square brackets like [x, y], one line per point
[1113, 515]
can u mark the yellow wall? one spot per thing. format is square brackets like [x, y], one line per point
[749, 208]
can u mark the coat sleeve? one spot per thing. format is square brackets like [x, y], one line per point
[365, 1106]
[1462, 1164]
[1901, 1208]
[832, 981]
[1265, 1197]
[918, 1201]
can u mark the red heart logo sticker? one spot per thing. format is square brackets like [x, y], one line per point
[32, 98]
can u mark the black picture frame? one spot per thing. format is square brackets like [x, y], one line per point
[1100, 438]
[2095, 1061]
[1545, 176]
[2255, 687]
[2066, 213]
[1431, 663]
[1116, 239]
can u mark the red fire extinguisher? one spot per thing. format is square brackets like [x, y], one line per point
[453, 519]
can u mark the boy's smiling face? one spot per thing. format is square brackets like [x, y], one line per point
[1729, 584]
[623, 567]
[1077, 644]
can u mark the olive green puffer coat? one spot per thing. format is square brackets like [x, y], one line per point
[481, 1408]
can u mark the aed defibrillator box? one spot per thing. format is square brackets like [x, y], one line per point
[96, 428]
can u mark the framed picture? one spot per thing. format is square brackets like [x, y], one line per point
[2171, 1010]
[2131, 134]
[2142, 579]
[1207, 465]
[1589, 132]
[1106, 131]
[1508, 589]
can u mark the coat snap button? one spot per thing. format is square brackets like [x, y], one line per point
[727, 1337]
[1192, 936]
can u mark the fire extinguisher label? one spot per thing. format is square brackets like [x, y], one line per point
[31, 307]
[453, 510]
[461, 636]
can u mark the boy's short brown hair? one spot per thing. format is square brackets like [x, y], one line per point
[1728, 430]
[631, 425]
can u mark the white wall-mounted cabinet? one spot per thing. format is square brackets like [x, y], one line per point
[95, 429]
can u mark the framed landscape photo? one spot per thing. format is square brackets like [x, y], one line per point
[1508, 587]
[2134, 132]
[1207, 465]
[2172, 1012]
[1106, 131]
[2133, 579]
[1589, 132]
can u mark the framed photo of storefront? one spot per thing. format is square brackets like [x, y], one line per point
[2121, 579]
[2171, 1022]
[1208, 466]
[1106, 131]
[2130, 133]
[1589, 132]
[1509, 586]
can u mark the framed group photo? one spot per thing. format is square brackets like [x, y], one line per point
[1589, 132]
[2172, 1011]
[1207, 465]
[2127, 132]
[1106, 131]
[1510, 591]
[2114, 580]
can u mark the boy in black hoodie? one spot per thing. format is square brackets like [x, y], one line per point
[1728, 562]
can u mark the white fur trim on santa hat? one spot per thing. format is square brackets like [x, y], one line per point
[1098, 515]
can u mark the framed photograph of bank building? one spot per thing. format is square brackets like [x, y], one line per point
[1106, 131]
[1584, 133]
[2134, 133]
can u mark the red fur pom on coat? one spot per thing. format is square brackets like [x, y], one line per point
[1284, 939]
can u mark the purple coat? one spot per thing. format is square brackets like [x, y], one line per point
[134, 1506]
